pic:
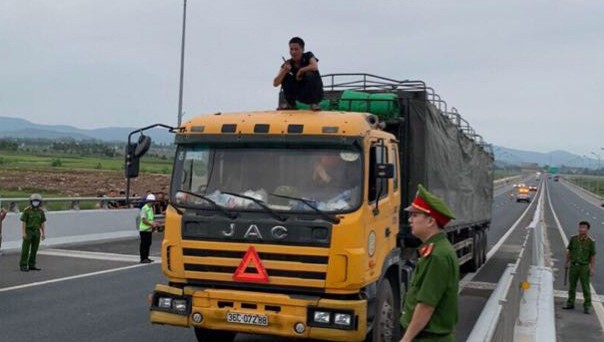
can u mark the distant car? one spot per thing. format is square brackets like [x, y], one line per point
[556, 178]
[533, 188]
[515, 185]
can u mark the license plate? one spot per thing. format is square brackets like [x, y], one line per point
[251, 319]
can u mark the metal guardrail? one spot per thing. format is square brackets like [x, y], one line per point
[498, 319]
[12, 204]
[505, 181]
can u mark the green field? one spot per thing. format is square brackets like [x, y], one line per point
[592, 184]
[498, 174]
[51, 162]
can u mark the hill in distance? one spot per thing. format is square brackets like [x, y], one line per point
[20, 128]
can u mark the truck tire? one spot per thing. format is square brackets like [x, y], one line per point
[481, 254]
[207, 335]
[385, 325]
[484, 246]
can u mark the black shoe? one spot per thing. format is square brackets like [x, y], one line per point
[586, 311]
[34, 268]
[568, 307]
[24, 269]
[146, 261]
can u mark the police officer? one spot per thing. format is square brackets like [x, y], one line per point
[2, 216]
[581, 257]
[430, 306]
[32, 229]
[145, 227]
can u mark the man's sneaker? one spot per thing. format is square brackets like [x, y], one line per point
[24, 269]
[586, 311]
[568, 307]
[34, 268]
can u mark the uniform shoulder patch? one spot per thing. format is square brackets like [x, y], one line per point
[426, 250]
[591, 237]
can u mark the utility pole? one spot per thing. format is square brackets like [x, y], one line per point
[182, 61]
[597, 174]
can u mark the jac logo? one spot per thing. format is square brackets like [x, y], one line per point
[252, 232]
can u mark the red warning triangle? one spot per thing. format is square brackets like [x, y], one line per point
[261, 276]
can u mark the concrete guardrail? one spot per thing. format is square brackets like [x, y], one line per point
[511, 312]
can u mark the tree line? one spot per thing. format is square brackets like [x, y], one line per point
[78, 147]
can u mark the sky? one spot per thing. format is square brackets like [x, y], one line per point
[526, 74]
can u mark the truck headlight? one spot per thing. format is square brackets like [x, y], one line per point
[342, 319]
[179, 305]
[164, 302]
[321, 317]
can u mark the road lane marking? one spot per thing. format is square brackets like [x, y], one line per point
[598, 308]
[480, 285]
[468, 277]
[57, 280]
[579, 296]
[90, 255]
[493, 250]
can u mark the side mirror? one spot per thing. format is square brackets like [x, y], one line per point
[144, 142]
[384, 171]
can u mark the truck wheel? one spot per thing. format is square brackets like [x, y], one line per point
[207, 335]
[484, 246]
[385, 325]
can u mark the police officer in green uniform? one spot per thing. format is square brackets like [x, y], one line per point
[32, 229]
[2, 216]
[581, 257]
[430, 306]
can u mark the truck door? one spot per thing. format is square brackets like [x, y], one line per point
[382, 219]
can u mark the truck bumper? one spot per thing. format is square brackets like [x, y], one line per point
[287, 315]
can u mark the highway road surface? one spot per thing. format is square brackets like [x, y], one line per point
[98, 292]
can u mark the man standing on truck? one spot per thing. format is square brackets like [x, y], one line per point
[299, 77]
[581, 257]
[430, 307]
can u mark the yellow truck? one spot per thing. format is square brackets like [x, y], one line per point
[523, 194]
[290, 223]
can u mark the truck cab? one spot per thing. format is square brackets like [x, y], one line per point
[281, 224]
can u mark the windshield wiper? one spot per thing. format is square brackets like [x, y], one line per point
[214, 204]
[328, 217]
[259, 202]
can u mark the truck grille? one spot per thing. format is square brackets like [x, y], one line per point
[286, 269]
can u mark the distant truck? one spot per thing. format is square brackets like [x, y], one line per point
[254, 245]
[523, 194]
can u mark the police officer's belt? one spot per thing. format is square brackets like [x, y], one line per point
[579, 264]
[427, 334]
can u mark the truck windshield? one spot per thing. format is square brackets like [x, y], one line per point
[330, 179]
